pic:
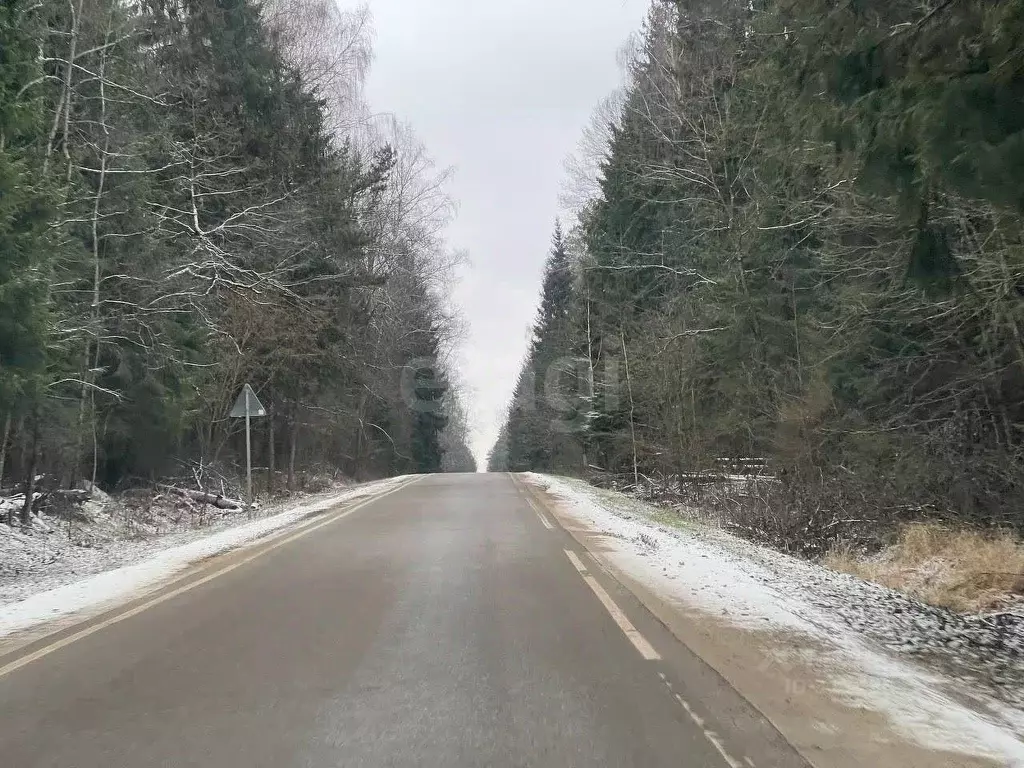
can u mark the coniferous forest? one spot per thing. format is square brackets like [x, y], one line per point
[192, 196]
[764, 496]
[797, 238]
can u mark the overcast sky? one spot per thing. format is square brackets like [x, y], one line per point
[502, 92]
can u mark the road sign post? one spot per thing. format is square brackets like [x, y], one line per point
[248, 447]
[246, 406]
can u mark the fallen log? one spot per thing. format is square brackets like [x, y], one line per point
[74, 495]
[17, 501]
[215, 499]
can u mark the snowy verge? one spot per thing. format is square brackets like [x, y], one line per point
[114, 586]
[754, 588]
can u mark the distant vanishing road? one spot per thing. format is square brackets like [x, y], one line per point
[447, 624]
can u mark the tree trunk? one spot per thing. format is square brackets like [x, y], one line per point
[205, 497]
[95, 441]
[63, 111]
[3, 446]
[590, 388]
[360, 434]
[629, 391]
[90, 373]
[30, 478]
[271, 451]
[294, 439]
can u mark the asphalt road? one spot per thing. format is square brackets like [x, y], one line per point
[441, 625]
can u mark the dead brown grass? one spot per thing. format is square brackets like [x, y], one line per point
[962, 570]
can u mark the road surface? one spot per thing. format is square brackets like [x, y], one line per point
[448, 624]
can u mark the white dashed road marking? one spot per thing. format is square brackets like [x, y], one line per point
[541, 515]
[640, 643]
[710, 735]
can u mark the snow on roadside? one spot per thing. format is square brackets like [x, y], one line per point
[756, 588]
[166, 557]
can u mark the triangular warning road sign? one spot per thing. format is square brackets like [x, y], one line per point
[247, 399]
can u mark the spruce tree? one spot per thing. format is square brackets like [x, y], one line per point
[26, 217]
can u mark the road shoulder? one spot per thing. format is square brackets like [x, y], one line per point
[54, 614]
[780, 673]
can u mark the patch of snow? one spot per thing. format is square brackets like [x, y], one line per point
[152, 562]
[758, 588]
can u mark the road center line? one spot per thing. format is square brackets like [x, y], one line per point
[639, 641]
[66, 641]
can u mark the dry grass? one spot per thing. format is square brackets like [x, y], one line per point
[962, 570]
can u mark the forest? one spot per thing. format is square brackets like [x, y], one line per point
[796, 243]
[193, 196]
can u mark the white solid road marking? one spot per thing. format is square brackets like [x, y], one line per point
[575, 560]
[63, 643]
[639, 641]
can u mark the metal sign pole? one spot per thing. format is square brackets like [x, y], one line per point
[246, 406]
[248, 450]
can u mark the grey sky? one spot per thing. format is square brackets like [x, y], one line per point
[502, 91]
